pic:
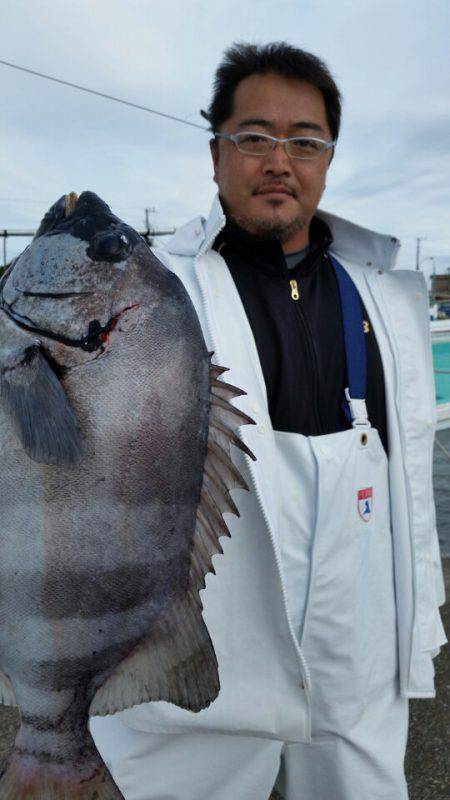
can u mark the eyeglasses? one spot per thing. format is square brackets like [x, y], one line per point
[260, 144]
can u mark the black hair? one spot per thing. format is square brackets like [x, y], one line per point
[243, 59]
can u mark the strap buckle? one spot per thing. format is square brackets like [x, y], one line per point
[358, 411]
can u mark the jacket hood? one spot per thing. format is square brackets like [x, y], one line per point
[350, 241]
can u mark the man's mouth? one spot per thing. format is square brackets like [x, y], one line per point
[281, 190]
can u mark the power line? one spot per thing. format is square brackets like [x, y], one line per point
[34, 201]
[101, 94]
[21, 200]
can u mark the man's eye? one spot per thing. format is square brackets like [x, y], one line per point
[251, 138]
[310, 145]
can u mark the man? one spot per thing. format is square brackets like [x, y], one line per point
[323, 611]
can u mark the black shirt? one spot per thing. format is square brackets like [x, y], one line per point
[300, 342]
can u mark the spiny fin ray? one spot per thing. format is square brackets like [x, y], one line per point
[226, 390]
[229, 414]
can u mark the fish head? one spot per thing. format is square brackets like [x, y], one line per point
[90, 317]
[83, 269]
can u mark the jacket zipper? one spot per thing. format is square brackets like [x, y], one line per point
[295, 294]
[304, 666]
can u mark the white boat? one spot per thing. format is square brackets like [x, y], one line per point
[443, 416]
[440, 330]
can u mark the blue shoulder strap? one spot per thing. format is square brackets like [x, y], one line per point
[355, 345]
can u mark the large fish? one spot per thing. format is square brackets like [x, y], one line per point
[115, 433]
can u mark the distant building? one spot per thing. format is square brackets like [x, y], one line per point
[440, 288]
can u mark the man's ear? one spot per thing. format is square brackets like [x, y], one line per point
[214, 148]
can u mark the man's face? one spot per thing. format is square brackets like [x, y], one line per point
[273, 194]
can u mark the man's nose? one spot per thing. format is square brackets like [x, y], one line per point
[277, 161]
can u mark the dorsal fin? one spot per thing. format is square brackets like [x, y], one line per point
[219, 473]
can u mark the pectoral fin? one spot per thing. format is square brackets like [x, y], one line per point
[35, 401]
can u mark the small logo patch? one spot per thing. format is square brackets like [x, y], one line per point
[365, 503]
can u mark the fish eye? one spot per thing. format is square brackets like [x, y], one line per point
[108, 246]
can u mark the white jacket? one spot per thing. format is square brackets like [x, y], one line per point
[397, 304]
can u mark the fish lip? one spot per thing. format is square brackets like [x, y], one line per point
[54, 295]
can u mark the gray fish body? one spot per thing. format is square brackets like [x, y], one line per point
[107, 525]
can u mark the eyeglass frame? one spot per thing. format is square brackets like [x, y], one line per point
[233, 137]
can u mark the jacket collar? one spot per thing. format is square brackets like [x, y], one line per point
[197, 236]
[351, 242]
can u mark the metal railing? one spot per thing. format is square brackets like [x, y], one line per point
[6, 233]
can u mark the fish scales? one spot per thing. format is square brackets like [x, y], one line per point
[111, 413]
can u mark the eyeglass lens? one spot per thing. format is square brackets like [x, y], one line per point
[257, 145]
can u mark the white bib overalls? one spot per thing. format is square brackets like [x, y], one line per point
[337, 562]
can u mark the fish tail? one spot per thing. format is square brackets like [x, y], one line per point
[28, 778]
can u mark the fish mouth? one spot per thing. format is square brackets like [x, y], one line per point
[96, 337]
[54, 295]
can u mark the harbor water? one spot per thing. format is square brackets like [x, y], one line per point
[441, 360]
[441, 463]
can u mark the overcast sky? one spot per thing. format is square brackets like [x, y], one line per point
[391, 60]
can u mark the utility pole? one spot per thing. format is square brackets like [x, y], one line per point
[148, 211]
[418, 240]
